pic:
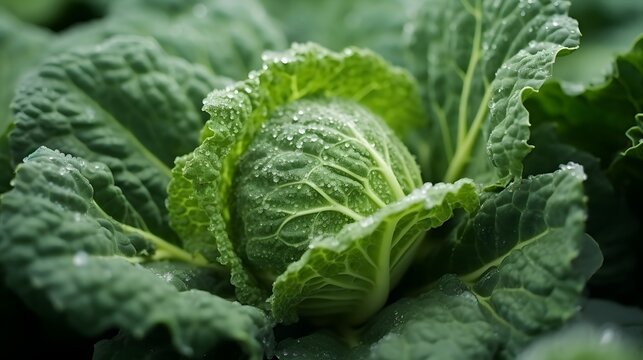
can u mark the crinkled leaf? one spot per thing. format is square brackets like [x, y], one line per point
[347, 277]
[635, 134]
[63, 253]
[124, 103]
[476, 59]
[373, 24]
[225, 36]
[606, 207]
[238, 112]
[525, 254]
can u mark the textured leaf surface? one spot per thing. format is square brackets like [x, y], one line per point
[347, 277]
[315, 166]
[475, 74]
[68, 250]
[525, 254]
[238, 112]
[606, 207]
[124, 103]
[522, 260]
[225, 36]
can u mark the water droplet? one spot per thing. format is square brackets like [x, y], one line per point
[80, 258]
[301, 131]
[575, 169]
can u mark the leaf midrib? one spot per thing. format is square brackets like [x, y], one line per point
[473, 276]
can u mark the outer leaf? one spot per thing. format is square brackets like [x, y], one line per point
[602, 120]
[606, 207]
[475, 74]
[525, 255]
[238, 112]
[225, 36]
[124, 103]
[356, 268]
[64, 254]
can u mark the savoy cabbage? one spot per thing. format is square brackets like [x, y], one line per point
[178, 182]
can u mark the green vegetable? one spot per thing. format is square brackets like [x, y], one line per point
[166, 211]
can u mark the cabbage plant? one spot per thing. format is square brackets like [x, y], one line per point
[171, 193]
[307, 189]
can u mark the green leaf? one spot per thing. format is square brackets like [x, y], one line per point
[224, 36]
[444, 323]
[124, 103]
[63, 253]
[238, 112]
[476, 59]
[347, 277]
[606, 207]
[373, 24]
[525, 255]
[320, 345]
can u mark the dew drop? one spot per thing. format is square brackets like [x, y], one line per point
[80, 258]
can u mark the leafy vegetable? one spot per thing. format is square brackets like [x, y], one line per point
[483, 56]
[86, 264]
[166, 211]
[126, 104]
[598, 127]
